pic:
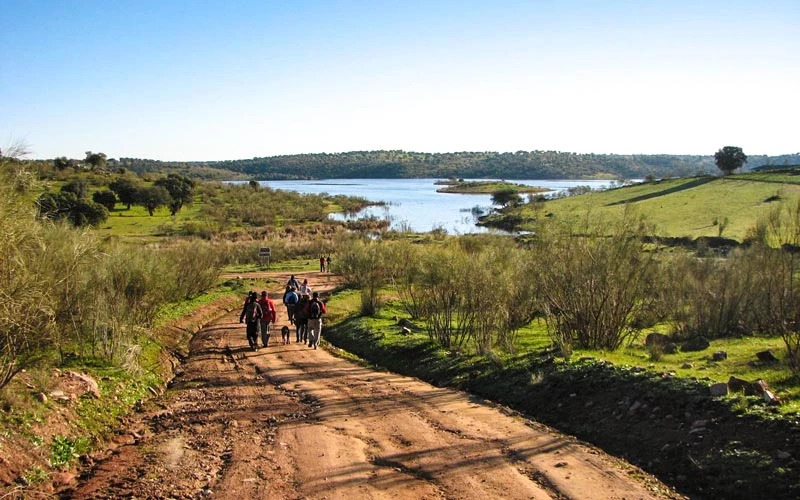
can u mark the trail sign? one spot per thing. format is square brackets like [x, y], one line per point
[263, 252]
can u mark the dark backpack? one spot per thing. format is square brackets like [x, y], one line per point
[314, 310]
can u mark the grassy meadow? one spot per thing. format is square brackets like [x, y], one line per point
[685, 207]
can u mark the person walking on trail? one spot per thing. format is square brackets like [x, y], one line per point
[315, 309]
[293, 282]
[304, 288]
[301, 320]
[252, 313]
[328, 263]
[290, 300]
[268, 317]
[322, 263]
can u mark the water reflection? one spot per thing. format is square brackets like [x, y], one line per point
[414, 205]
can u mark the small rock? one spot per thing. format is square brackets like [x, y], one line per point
[635, 406]
[770, 398]
[40, 397]
[63, 479]
[687, 366]
[405, 331]
[783, 455]
[719, 356]
[766, 356]
[699, 423]
[656, 339]
[561, 464]
[90, 384]
[720, 389]
[671, 348]
[736, 384]
[699, 343]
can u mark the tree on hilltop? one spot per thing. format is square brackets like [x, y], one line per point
[729, 159]
[96, 160]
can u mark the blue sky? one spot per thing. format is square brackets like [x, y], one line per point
[204, 80]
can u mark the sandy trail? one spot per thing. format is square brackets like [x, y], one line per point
[292, 422]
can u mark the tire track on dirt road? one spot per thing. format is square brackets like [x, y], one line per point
[292, 422]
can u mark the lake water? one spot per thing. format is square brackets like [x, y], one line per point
[414, 204]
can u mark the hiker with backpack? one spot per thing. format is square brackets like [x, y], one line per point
[322, 263]
[252, 313]
[301, 320]
[268, 316]
[316, 308]
[290, 300]
[293, 282]
[304, 288]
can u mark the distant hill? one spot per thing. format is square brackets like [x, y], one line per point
[405, 164]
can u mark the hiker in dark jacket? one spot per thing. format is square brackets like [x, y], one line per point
[301, 320]
[252, 313]
[315, 309]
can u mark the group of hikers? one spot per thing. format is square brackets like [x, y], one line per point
[303, 308]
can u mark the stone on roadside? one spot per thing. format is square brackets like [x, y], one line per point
[40, 397]
[90, 385]
[719, 356]
[720, 389]
[699, 343]
[405, 331]
[687, 366]
[766, 356]
[655, 338]
[736, 384]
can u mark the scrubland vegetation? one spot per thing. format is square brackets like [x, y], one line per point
[592, 278]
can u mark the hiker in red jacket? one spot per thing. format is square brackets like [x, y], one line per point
[269, 316]
[315, 309]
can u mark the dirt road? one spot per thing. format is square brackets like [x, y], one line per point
[292, 422]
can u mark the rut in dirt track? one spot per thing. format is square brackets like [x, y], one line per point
[292, 422]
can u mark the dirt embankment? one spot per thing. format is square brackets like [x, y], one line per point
[292, 422]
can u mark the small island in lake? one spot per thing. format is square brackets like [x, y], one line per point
[485, 187]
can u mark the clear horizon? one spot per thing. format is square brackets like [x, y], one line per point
[202, 81]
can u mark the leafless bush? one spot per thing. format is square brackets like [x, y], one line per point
[594, 279]
[775, 269]
[714, 295]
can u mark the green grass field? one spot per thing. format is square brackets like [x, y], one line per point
[690, 207]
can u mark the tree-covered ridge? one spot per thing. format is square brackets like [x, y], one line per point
[397, 164]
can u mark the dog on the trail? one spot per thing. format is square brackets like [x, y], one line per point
[285, 334]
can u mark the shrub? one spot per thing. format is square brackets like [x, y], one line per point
[106, 198]
[593, 284]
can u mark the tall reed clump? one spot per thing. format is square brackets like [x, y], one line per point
[775, 270]
[364, 265]
[594, 279]
[711, 296]
[62, 290]
[27, 319]
[474, 289]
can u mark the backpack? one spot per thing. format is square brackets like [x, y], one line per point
[314, 310]
[291, 298]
